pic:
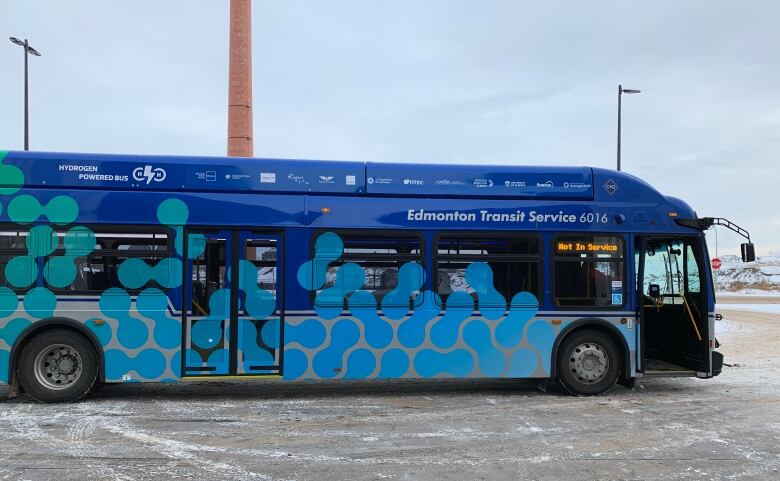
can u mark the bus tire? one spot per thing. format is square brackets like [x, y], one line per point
[58, 365]
[588, 363]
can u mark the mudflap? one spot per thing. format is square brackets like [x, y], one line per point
[717, 363]
[628, 382]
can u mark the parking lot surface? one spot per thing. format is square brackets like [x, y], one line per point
[663, 429]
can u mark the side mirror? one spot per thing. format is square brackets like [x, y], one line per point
[748, 252]
[654, 291]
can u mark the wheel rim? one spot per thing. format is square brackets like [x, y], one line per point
[589, 363]
[58, 366]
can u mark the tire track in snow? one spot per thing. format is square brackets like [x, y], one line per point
[28, 427]
[178, 450]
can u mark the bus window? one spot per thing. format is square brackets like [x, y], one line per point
[692, 278]
[662, 268]
[12, 244]
[208, 274]
[514, 261]
[99, 269]
[262, 253]
[381, 256]
[588, 271]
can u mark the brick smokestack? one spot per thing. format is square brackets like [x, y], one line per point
[240, 134]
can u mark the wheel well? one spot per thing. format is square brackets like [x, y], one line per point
[595, 325]
[47, 325]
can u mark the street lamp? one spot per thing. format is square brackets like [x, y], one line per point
[27, 50]
[622, 91]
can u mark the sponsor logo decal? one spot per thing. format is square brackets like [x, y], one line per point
[514, 183]
[298, 179]
[449, 182]
[236, 176]
[268, 177]
[380, 180]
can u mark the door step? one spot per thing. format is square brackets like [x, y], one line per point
[230, 378]
[670, 373]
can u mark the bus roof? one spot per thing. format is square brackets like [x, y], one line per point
[263, 175]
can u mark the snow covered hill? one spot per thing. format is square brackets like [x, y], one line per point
[762, 275]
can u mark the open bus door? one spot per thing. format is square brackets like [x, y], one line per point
[673, 299]
[233, 308]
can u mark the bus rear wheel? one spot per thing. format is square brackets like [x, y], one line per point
[588, 363]
[58, 365]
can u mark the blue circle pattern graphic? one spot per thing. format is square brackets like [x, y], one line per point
[421, 342]
[382, 339]
[130, 344]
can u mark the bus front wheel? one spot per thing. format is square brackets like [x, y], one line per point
[58, 365]
[588, 363]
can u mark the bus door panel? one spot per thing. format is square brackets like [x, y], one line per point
[672, 305]
[259, 304]
[207, 293]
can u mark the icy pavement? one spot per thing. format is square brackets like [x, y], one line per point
[768, 308]
[664, 429]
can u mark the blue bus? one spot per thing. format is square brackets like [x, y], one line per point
[124, 268]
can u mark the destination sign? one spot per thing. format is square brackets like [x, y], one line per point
[586, 247]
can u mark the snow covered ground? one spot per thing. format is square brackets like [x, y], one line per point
[761, 276]
[769, 308]
[664, 429]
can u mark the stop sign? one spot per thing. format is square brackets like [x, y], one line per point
[715, 263]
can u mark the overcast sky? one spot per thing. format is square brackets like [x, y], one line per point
[472, 82]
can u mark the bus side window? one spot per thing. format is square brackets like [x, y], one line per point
[12, 244]
[97, 268]
[588, 271]
[514, 262]
[381, 256]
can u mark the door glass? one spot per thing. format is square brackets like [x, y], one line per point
[693, 279]
[209, 314]
[259, 324]
[208, 275]
[262, 254]
[663, 267]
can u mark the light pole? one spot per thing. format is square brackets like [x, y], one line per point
[27, 50]
[622, 91]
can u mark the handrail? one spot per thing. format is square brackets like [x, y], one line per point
[705, 223]
[690, 316]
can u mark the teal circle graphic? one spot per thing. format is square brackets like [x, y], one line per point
[62, 210]
[79, 241]
[133, 273]
[172, 212]
[60, 271]
[24, 209]
[8, 302]
[41, 241]
[40, 302]
[21, 271]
